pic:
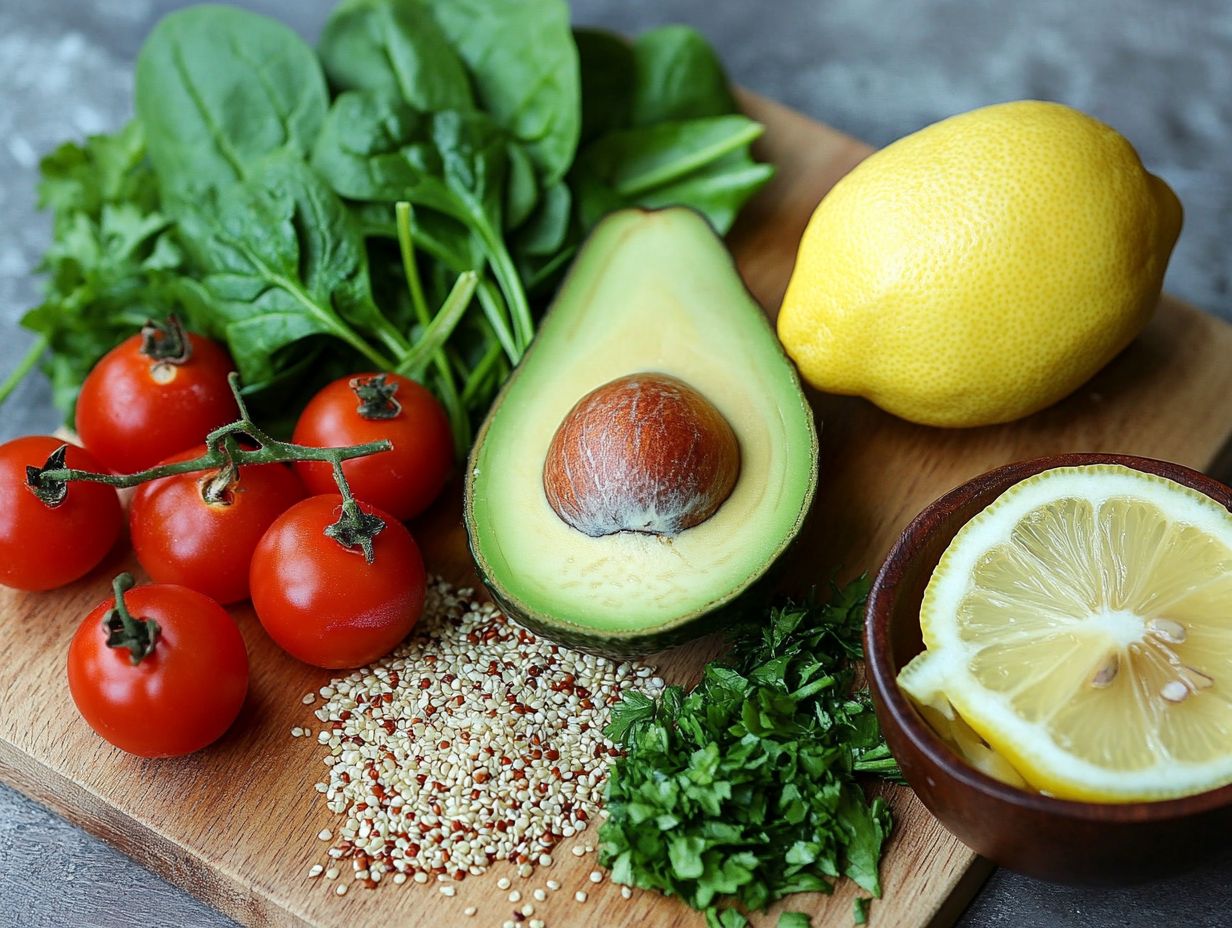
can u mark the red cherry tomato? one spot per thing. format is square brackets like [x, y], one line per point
[181, 538]
[41, 546]
[178, 698]
[324, 603]
[402, 482]
[135, 411]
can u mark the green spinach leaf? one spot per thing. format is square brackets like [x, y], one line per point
[701, 162]
[608, 69]
[282, 261]
[219, 88]
[677, 76]
[394, 47]
[524, 66]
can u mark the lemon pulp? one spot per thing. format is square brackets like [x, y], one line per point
[1082, 626]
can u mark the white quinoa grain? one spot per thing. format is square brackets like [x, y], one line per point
[580, 895]
[325, 834]
[626, 892]
[474, 742]
[553, 885]
[503, 883]
[515, 896]
[309, 699]
[316, 870]
[447, 890]
[596, 876]
[537, 923]
[539, 895]
[528, 910]
[341, 889]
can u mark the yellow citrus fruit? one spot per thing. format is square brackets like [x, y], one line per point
[1081, 626]
[981, 268]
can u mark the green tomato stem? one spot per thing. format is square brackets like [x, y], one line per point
[124, 630]
[223, 452]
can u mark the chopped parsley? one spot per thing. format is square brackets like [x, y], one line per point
[744, 790]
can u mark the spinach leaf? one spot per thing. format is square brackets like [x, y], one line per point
[608, 69]
[375, 147]
[217, 89]
[282, 261]
[524, 66]
[677, 76]
[394, 47]
[703, 163]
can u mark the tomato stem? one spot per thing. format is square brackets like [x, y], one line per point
[123, 630]
[376, 397]
[166, 342]
[356, 528]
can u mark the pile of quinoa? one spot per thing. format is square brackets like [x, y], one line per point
[474, 742]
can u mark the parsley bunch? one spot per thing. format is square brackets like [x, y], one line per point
[744, 790]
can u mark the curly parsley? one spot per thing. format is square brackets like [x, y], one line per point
[744, 790]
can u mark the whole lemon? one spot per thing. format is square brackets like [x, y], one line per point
[982, 268]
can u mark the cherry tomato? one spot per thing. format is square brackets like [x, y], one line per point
[180, 696]
[135, 410]
[182, 538]
[402, 482]
[324, 603]
[41, 546]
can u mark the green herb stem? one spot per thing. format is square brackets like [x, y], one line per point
[511, 285]
[495, 312]
[24, 367]
[450, 315]
[471, 390]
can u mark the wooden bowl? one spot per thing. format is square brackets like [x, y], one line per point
[1053, 839]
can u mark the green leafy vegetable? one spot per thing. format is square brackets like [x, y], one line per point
[405, 198]
[394, 47]
[217, 89]
[524, 64]
[678, 77]
[112, 259]
[795, 920]
[281, 261]
[743, 791]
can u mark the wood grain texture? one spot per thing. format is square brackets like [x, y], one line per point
[237, 823]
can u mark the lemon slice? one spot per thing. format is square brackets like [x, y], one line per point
[1082, 626]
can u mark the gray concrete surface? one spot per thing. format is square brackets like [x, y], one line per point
[1160, 72]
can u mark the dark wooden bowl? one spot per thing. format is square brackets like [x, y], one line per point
[1053, 839]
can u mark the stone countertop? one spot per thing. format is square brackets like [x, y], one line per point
[1159, 72]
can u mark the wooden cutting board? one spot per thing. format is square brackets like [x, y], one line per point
[237, 824]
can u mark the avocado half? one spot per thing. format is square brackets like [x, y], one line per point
[650, 291]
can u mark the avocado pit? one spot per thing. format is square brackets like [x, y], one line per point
[643, 453]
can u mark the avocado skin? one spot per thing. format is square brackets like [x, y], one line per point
[741, 605]
[751, 602]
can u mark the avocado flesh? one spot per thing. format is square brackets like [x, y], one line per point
[649, 291]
